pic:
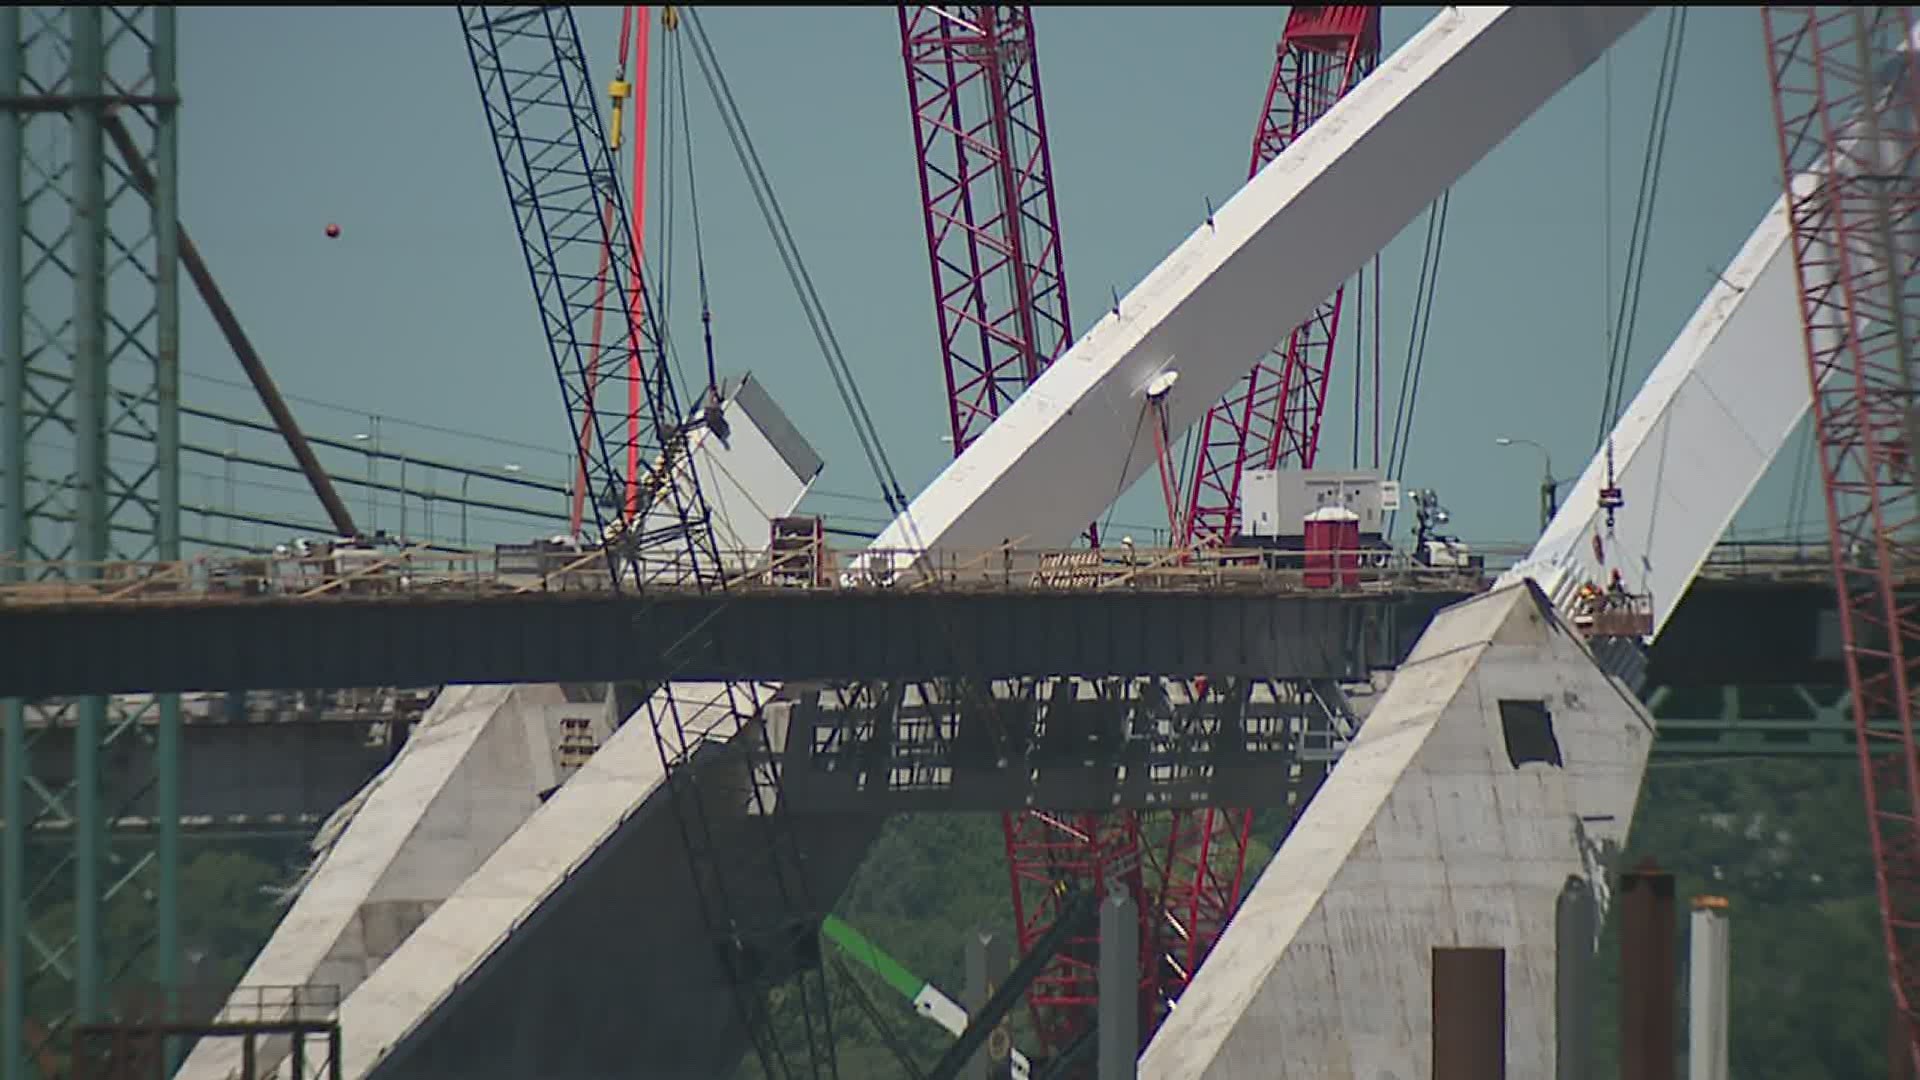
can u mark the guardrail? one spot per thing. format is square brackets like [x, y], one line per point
[234, 579]
[518, 569]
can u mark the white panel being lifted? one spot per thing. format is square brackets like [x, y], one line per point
[1234, 287]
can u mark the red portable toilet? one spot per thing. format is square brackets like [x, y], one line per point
[1333, 548]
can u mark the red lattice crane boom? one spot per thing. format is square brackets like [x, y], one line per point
[1846, 93]
[986, 181]
[1000, 302]
[1271, 418]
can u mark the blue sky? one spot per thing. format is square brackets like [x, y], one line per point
[420, 312]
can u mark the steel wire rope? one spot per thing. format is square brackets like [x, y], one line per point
[693, 206]
[667, 208]
[752, 1012]
[1640, 242]
[1802, 477]
[1359, 357]
[1404, 437]
[385, 420]
[1417, 334]
[764, 196]
[1626, 316]
[768, 203]
[848, 387]
[1606, 215]
[1126, 462]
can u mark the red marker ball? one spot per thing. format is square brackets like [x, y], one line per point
[333, 230]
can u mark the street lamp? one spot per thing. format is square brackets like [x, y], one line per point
[466, 478]
[371, 449]
[1549, 487]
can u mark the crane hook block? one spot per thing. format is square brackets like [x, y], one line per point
[617, 94]
[1611, 498]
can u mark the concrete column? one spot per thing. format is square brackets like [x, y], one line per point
[1119, 1012]
[1647, 989]
[1575, 929]
[1708, 984]
[988, 961]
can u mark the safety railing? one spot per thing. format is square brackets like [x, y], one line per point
[416, 571]
[521, 570]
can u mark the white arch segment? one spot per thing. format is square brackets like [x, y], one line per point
[1693, 443]
[1305, 223]
[1440, 828]
[1710, 419]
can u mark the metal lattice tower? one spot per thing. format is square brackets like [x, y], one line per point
[563, 188]
[90, 433]
[1846, 92]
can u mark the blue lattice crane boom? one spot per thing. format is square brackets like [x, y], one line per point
[560, 170]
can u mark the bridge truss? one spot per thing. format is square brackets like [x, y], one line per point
[89, 353]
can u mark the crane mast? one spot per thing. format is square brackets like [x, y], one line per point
[1270, 418]
[1000, 306]
[1846, 95]
[563, 187]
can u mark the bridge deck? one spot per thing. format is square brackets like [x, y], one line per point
[411, 620]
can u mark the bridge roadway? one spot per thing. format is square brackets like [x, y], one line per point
[420, 620]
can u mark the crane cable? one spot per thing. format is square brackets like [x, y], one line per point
[1417, 335]
[1626, 316]
[848, 387]
[693, 206]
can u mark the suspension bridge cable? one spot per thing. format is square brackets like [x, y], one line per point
[401, 422]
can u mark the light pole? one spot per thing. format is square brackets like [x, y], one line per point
[1549, 487]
